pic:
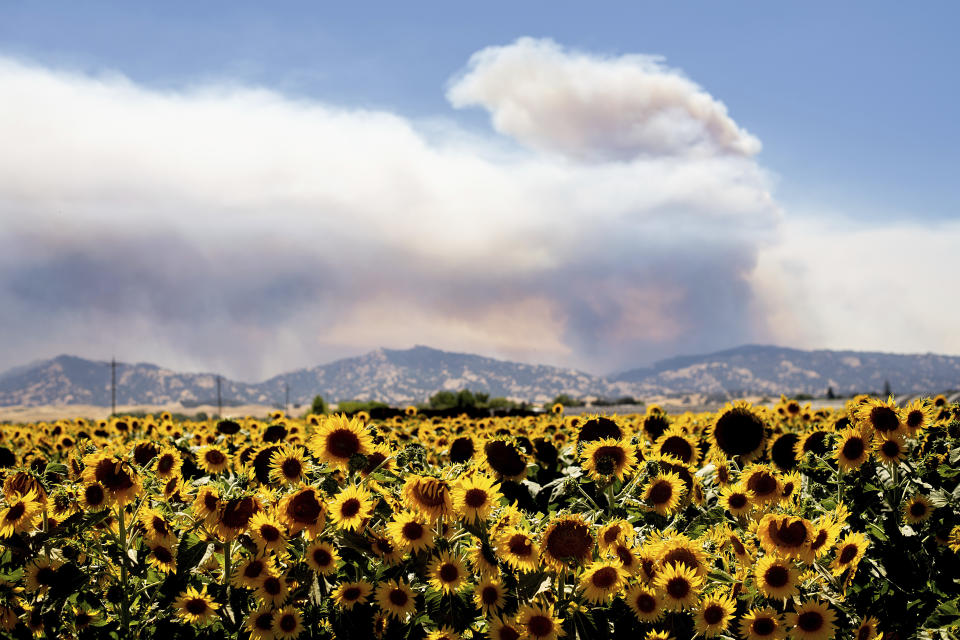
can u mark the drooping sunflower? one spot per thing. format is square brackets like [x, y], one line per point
[783, 450]
[206, 505]
[601, 581]
[260, 623]
[490, 596]
[917, 509]
[849, 552]
[395, 598]
[645, 603]
[348, 594]
[287, 623]
[776, 577]
[614, 533]
[235, 515]
[713, 615]
[18, 516]
[287, 465]
[853, 448]
[518, 549]
[762, 624]
[679, 586]
[322, 557]
[195, 607]
[213, 459]
[339, 439]
[608, 458]
[430, 496]
[351, 508]
[825, 532]
[737, 499]
[303, 510]
[663, 493]
[447, 573]
[539, 622]
[474, 497]
[788, 536]
[740, 431]
[568, 538]
[155, 526]
[267, 531]
[813, 620]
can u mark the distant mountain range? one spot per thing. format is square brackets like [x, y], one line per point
[400, 376]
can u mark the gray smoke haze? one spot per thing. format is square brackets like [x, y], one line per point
[236, 229]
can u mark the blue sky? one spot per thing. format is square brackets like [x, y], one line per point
[223, 186]
[854, 102]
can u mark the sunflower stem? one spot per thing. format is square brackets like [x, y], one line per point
[227, 553]
[124, 604]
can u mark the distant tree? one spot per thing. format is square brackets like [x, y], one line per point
[830, 394]
[318, 406]
[887, 391]
[566, 400]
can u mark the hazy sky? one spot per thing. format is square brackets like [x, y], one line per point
[219, 186]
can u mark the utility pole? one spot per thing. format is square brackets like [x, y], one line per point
[113, 386]
[219, 400]
[286, 397]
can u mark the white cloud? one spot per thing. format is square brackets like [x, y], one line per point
[237, 228]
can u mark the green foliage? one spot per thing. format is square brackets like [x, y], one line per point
[318, 406]
[353, 406]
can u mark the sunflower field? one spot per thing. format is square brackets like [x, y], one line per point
[751, 522]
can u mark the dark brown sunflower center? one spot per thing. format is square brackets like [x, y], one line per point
[196, 606]
[237, 512]
[884, 419]
[918, 509]
[291, 468]
[343, 443]
[739, 432]
[763, 626]
[210, 502]
[93, 494]
[264, 621]
[504, 458]
[322, 557]
[646, 603]
[489, 595]
[853, 448]
[449, 572]
[269, 533]
[15, 512]
[162, 554]
[412, 530]
[160, 526]
[350, 507]
[351, 593]
[626, 558]
[604, 578]
[305, 508]
[273, 586]
[214, 457]
[374, 460]
[681, 556]
[661, 492]
[254, 569]
[540, 625]
[678, 587]
[776, 576]
[144, 452]
[678, 448]
[46, 576]
[914, 419]
[763, 484]
[461, 450]
[890, 448]
[848, 553]
[570, 539]
[738, 547]
[863, 633]
[820, 540]
[713, 614]
[112, 475]
[793, 534]
[519, 545]
[810, 621]
[737, 500]
[398, 597]
[475, 498]
[288, 622]
[614, 453]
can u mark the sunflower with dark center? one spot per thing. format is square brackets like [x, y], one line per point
[18, 516]
[655, 424]
[917, 509]
[567, 539]
[339, 439]
[645, 603]
[287, 623]
[195, 607]
[892, 450]
[114, 475]
[601, 581]
[287, 465]
[446, 573]
[714, 613]
[739, 431]
[679, 445]
[474, 497]
[788, 536]
[762, 480]
[303, 510]
[606, 458]
[849, 551]
[853, 448]
[462, 449]
[144, 452]
[162, 557]
[213, 460]
[252, 572]
[322, 557]
[776, 578]
[539, 622]
[505, 459]
[783, 451]
[679, 586]
[599, 428]
[267, 532]
[235, 515]
[410, 531]
[762, 624]
[260, 623]
[663, 493]
[273, 590]
[41, 574]
[518, 550]
[348, 594]
[813, 620]
[395, 598]
[737, 499]
[490, 596]
[681, 550]
[428, 495]
[168, 462]
[351, 508]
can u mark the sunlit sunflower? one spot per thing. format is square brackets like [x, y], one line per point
[658, 634]
[206, 505]
[443, 633]
[483, 560]
[679, 586]
[322, 557]
[680, 549]
[235, 515]
[287, 623]
[880, 416]
[303, 510]
[18, 516]
[608, 458]
[917, 509]
[156, 526]
[410, 531]
[260, 623]
[116, 476]
[764, 481]
[273, 590]
[384, 548]
[93, 497]
[380, 458]
[849, 552]
[853, 447]
[351, 508]
[162, 556]
[737, 499]
[446, 573]
[890, 450]
[539, 622]
[474, 497]
[663, 493]
[825, 532]
[339, 439]
[682, 446]
[490, 596]
[601, 581]
[614, 533]
[518, 549]
[348, 594]
[645, 603]
[762, 624]
[788, 536]
[917, 416]
[395, 598]
[195, 607]
[288, 466]
[267, 531]
[213, 459]
[776, 578]
[813, 620]
[568, 538]
[427, 495]
[252, 571]
[953, 539]
[739, 430]
[713, 615]
[501, 628]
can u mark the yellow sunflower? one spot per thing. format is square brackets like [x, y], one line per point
[737, 499]
[788, 536]
[853, 448]
[273, 590]
[348, 594]
[813, 620]
[880, 417]
[162, 556]
[776, 578]
[339, 439]
[890, 450]
[351, 508]
[917, 416]
[168, 462]
[679, 586]
[764, 481]
[762, 624]
[474, 497]
[601, 581]
[41, 574]
[287, 465]
[917, 509]
[195, 607]
[267, 531]
[539, 622]
[645, 603]
[663, 493]
[608, 458]
[410, 531]
[322, 557]
[116, 476]
[501, 628]
[849, 552]
[395, 598]
[213, 459]
[490, 596]
[678, 444]
[18, 516]
[446, 573]
[518, 550]
[427, 495]
[614, 533]
[287, 623]
[260, 623]
[713, 615]
[252, 571]
[568, 538]
[303, 510]
[867, 629]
